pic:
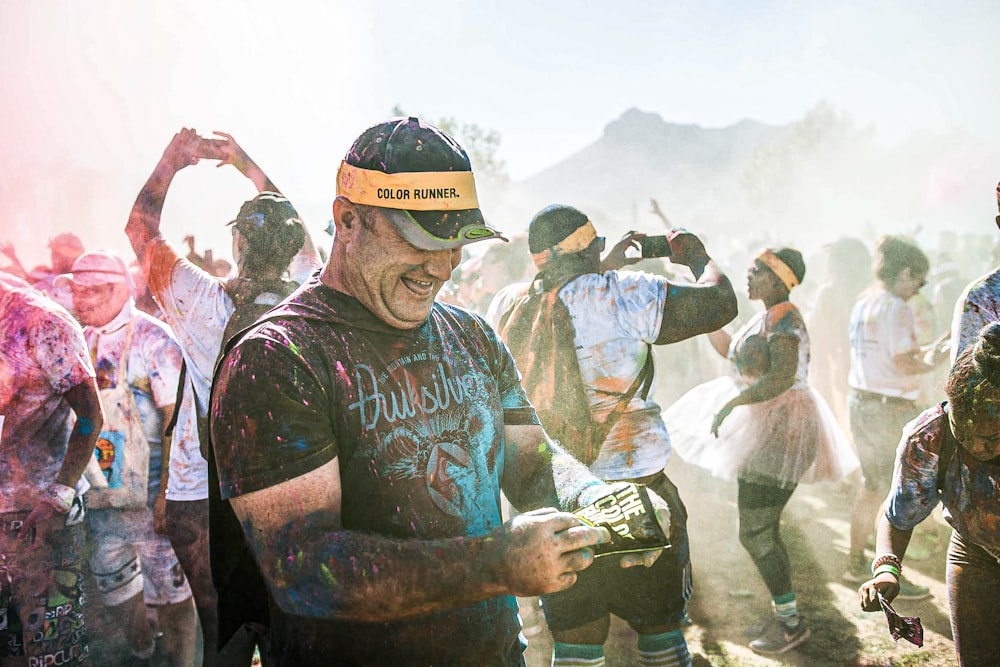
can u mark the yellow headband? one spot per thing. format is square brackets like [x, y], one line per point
[581, 237]
[412, 191]
[780, 269]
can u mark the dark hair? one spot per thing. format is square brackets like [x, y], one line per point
[974, 381]
[553, 224]
[273, 233]
[793, 259]
[895, 253]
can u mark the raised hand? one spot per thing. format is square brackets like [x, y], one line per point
[227, 151]
[687, 250]
[616, 258]
[230, 152]
[654, 207]
[183, 150]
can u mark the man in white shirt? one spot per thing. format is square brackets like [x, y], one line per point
[138, 365]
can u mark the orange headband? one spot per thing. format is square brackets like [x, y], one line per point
[780, 269]
[413, 191]
[581, 237]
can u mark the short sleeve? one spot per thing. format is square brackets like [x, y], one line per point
[60, 348]
[269, 418]
[914, 494]
[517, 408]
[163, 355]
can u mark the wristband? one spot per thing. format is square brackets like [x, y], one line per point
[890, 558]
[59, 497]
[891, 569]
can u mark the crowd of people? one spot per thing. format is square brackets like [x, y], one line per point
[369, 456]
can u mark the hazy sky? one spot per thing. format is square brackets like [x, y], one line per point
[101, 86]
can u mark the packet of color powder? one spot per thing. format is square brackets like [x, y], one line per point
[907, 627]
[628, 515]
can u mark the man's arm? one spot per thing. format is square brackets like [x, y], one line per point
[143, 224]
[160, 504]
[86, 403]
[707, 305]
[539, 472]
[84, 400]
[316, 568]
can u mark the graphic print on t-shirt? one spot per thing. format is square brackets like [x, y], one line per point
[419, 408]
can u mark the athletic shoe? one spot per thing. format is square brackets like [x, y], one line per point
[757, 629]
[780, 638]
[910, 591]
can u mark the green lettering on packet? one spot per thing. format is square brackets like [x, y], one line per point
[628, 515]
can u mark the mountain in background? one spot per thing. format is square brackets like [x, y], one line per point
[804, 183]
[640, 155]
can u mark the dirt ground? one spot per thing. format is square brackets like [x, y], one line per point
[729, 594]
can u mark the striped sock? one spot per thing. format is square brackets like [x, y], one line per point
[577, 655]
[667, 649]
[786, 609]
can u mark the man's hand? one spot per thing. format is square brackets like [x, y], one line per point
[182, 151]
[654, 208]
[616, 259]
[42, 525]
[687, 250]
[231, 152]
[545, 548]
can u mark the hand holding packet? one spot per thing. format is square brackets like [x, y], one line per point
[629, 516]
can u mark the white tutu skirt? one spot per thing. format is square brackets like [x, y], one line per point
[791, 439]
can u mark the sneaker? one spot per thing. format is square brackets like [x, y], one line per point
[910, 591]
[780, 638]
[758, 629]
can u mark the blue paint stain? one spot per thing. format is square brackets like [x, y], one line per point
[86, 425]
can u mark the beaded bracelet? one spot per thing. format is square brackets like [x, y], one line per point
[890, 558]
[886, 567]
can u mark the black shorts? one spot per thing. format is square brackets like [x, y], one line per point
[639, 595]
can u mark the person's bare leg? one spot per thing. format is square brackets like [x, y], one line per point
[132, 614]
[584, 641]
[178, 622]
[863, 514]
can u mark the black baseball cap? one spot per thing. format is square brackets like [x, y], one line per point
[422, 178]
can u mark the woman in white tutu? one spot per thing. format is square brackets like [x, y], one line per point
[767, 428]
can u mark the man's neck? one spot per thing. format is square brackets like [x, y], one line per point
[120, 319]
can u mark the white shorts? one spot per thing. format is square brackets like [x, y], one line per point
[129, 558]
